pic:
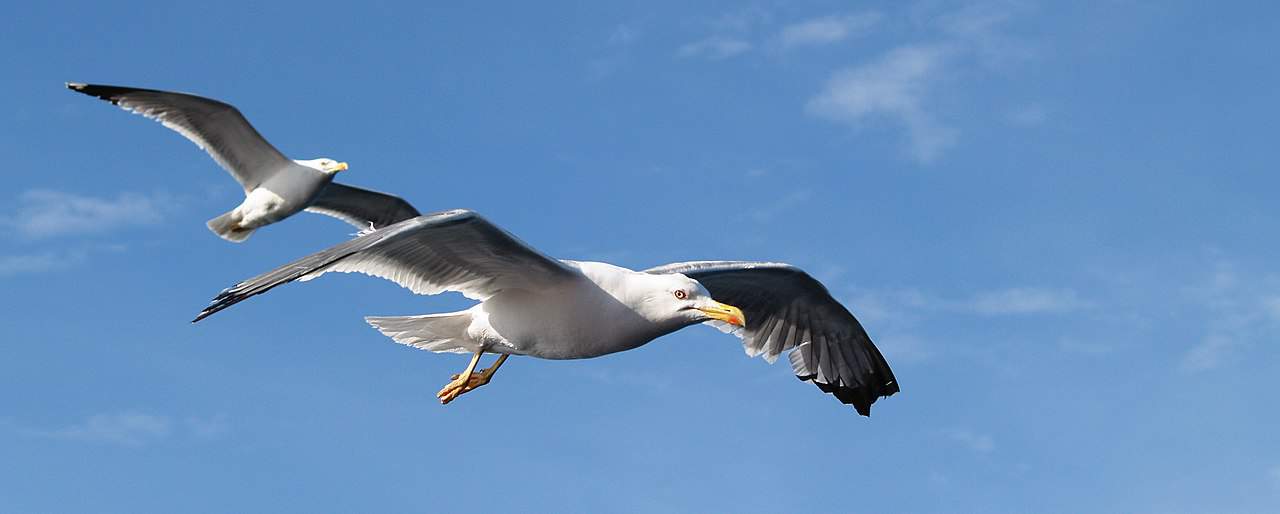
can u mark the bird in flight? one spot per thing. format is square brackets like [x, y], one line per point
[533, 305]
[275, 187]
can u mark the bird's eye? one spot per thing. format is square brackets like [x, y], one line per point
[680, 294]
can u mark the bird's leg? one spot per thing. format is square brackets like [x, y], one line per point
[460, 381]
[482, 377]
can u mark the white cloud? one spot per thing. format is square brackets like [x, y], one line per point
[981, 443]
[894, 86]
[126, 428]
[623, 35]
[902, 347]
[1025, 300]
[1089, 347]
[827, 29]
[781, 205]
[207, 427]
[1028, 115]
[132, 428]
[1241, 310]
[1271, 306]
[976, 26]
[37, 263]
[900, 84]
[906, 304]
[46, 213]
[743, 20]
[1210, 352]
[714, 48]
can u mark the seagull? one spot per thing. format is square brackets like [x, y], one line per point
[533, 305]
[275, 187]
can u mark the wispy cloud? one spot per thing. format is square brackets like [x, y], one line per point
[46, 213]
[827, 29]
[125, 428]
[899, 86]
[1241, 309]
[624, 34]
[37, 263]
[1028, 115]
[898, 304]
[976, 26]
[714, 48]
[893, 87]
[781, 205]
[742, 20]
[1273, 476]
[981, 443]
[132, 428]
[1026, 300]
[207, 427]
[730, 35]
[54, 260]
[1088, 347]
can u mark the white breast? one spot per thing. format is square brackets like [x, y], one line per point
[260, 207]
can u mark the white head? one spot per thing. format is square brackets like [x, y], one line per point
[680, 299]
[324, 165]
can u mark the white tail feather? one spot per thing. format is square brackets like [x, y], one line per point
[433, 332]
[227, 226]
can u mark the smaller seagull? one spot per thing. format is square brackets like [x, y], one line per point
[533, 305]
[275, 187]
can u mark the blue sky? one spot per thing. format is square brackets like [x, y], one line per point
[1056, 220]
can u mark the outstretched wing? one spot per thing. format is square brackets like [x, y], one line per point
[786, 309]
[446, 251]
[215, 127]
[362, 207]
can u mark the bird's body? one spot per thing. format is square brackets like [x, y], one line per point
[275, 187]
[558, 322]
[533, 305]
[288, 190]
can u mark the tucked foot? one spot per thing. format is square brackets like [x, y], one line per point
[455, 388]
[461, 382]
[477, 379]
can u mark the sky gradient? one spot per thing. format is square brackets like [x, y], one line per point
[1057, 221]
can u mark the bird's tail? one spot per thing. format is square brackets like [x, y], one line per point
[227, 226]
[435, 332]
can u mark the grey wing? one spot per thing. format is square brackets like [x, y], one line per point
[786, 309]
[215, 127]
[362, 207]
[446, 251]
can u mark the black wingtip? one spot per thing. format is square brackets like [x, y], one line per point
[225, 299]
[109, 93]
[860, 397]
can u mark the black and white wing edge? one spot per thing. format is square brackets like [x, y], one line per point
[454, 250]
[786, 309]
[216, 127]
[362, 207]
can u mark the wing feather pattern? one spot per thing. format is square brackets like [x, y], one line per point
[447, 251]
[362, 207]
[216, 127]
[788, 310]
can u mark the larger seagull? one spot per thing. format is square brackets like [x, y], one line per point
[275, 187]
[533, 305]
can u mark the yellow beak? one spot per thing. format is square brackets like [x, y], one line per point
[342, 166]
[726, 313]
